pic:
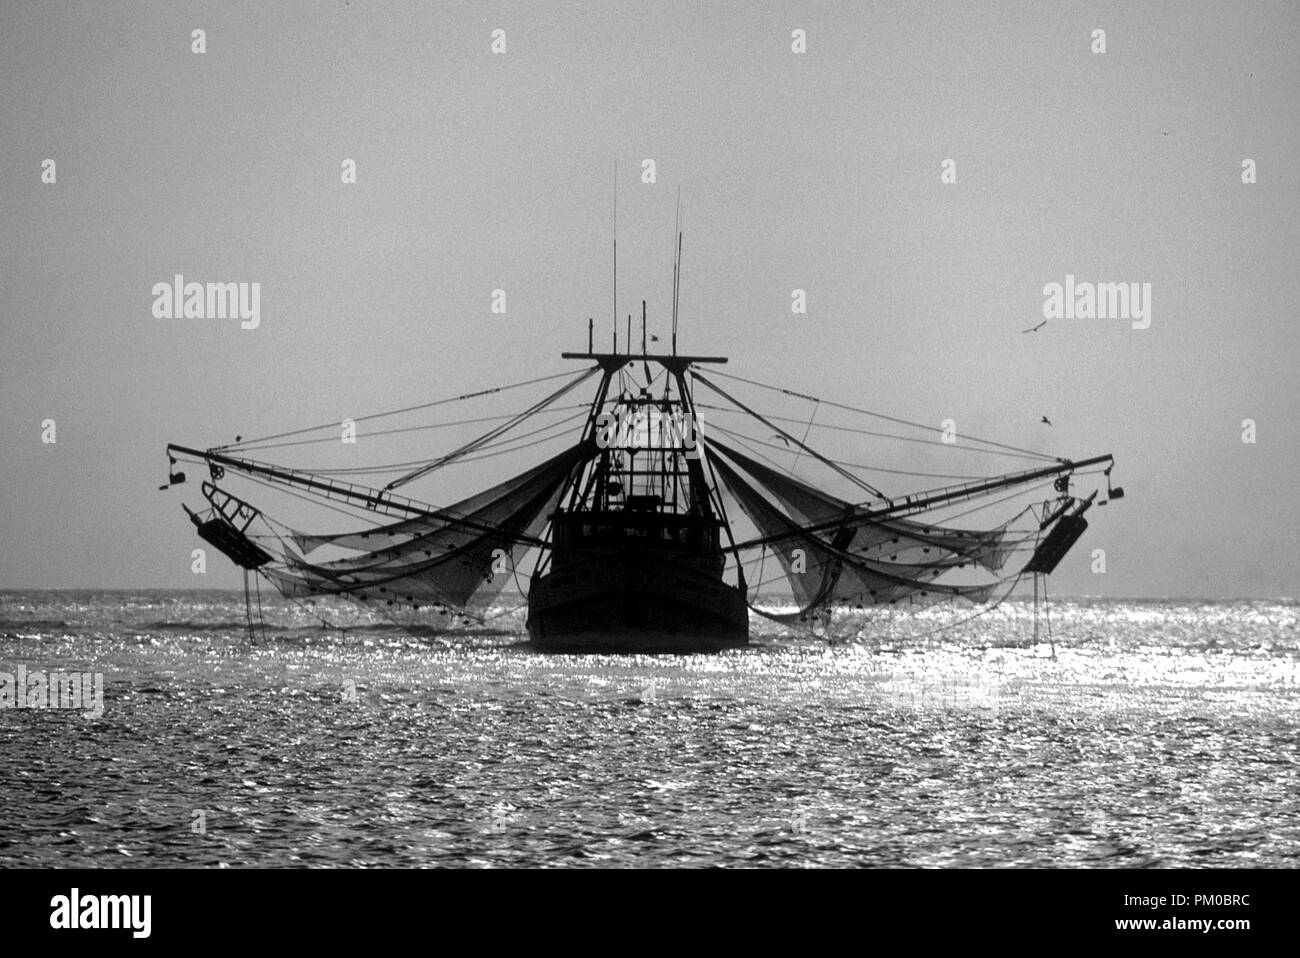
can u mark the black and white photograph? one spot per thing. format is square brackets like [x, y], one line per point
[705, 437]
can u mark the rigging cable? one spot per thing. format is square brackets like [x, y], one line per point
[868, 412]
[808, 449]
[500, 448]
[394, 412]
[811, 417]
[742, 437]
[885, 435]
[848, 465]
[248, 447]
[493, 433]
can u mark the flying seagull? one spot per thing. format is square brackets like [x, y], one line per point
[1046, 420]
[1036, 328]
[777, 435]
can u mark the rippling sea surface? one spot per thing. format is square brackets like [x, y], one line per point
[1162, 733]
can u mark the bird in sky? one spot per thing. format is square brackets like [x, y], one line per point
[777, 435]
[1046, 420]
[1036, 328]
[654, 338]
[239, 438]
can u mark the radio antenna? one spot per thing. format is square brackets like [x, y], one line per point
[644, 362]
[677, 265]
[674, 309]
[615, 255]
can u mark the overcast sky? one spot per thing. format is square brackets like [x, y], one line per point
[817, 171]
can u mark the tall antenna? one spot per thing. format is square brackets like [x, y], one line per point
[677, 291]
[674, 309]
[615, 254]
[677, 265]
[645, 363]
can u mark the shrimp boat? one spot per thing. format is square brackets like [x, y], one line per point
[645, 531]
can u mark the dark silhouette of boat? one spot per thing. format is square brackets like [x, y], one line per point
[632, 527]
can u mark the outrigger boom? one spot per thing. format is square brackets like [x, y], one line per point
[919, 502]
[379, 500]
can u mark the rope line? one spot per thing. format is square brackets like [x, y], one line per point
[247, 447]
[895, 419]
[884, 435]
[333, 424]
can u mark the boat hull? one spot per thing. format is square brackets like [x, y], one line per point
[635, 603]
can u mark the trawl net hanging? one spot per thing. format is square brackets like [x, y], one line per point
[861, 561]
[464, 551]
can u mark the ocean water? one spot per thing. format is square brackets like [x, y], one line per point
[1152, 733]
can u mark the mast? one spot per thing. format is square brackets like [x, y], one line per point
[615, 304]
[643, 344]
[677, 265]
[674, 324]
[677, 286]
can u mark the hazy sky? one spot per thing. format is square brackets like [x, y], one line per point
[818, 171]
